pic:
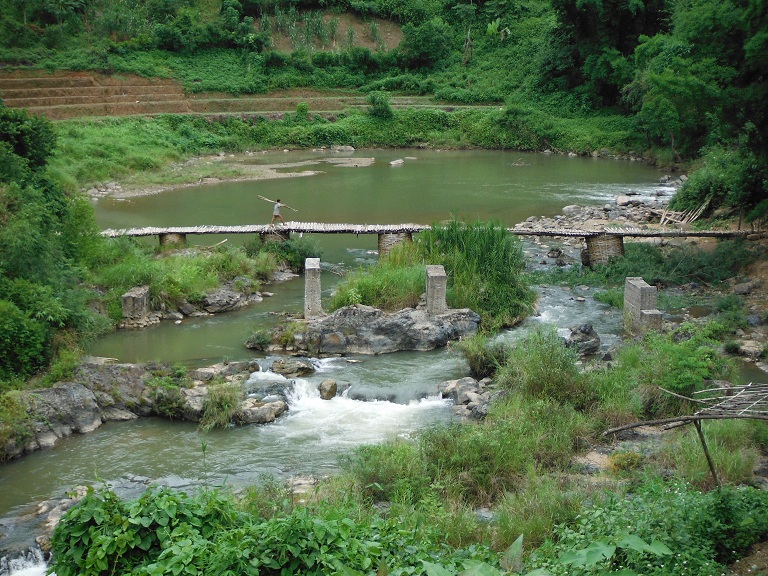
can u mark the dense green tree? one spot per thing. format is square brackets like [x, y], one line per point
[44, 235]
[427, 44]
[595, 39]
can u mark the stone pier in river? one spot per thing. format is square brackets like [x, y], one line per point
[640, 312]
[437, 282]
[312, 303]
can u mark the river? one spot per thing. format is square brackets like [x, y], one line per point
[386, 396]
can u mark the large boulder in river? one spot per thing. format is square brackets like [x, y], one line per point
[328, 389]
[292, 367]
[362, 329]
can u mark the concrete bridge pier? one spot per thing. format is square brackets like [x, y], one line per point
[601, 248]
[172, 238]
[640, 312]
[312, 302]
[275, 235]
[437, 283]
[389, 239]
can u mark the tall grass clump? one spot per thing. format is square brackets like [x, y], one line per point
[541, 502]
[476, 464]
[732, 447]
[396, 282]
[484, 265]
[394, 471]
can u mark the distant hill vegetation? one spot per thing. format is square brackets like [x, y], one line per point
[690, 76]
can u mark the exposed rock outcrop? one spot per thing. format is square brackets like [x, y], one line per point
[362, 329]
[101, 391]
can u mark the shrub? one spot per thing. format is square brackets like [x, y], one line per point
[731, 311]
[23, 342]
[294, 252]
[259, 340]
[166, 396]
[379, 105]
[692, 527]
[16, 423]
[680, 362]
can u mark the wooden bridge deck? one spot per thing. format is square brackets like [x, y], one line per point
[338, 228]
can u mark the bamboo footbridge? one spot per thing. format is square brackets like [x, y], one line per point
[331, 228]
[601, 244]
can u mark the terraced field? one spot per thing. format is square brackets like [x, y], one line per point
[62, 95]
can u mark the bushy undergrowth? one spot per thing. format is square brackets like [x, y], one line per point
[697, 532]
[541, 366]
[732, 445]
[169, 532]
[16, 424]
[484, 355]
[173, 277]
[675, 265]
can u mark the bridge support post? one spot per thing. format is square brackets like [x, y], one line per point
[437, 283]
[171, 238]
[275, 235]
[312, 302]
[640, 312]
[387, 240]
[601, 248]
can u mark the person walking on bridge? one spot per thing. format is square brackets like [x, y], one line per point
[276, 212]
